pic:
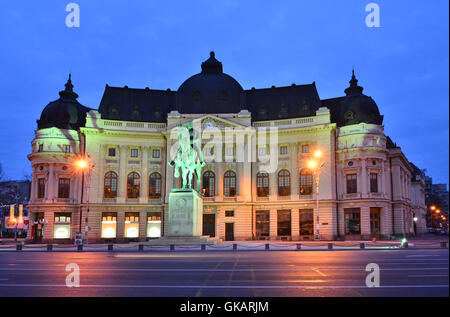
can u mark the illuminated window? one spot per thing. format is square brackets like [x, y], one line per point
[262, 223]
[61, 227]
[373, 183]
[209, 183]
[66, 148]
[63, 188]
[229, 184]
[262, 184]
[156, 153]
[155, 185]
[305, 148]
[306, 222]
[133, 185]
[153, 225]
[110, 185]
[134, 153]
[284, 183]
[352, 219]
[109, 225]
[351, 183]
[284, 223]
[41, 187]
[306, 182]
[283, 150]
[131, 225]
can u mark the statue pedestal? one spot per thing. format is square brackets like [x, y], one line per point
[185, 214]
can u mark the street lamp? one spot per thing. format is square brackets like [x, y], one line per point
[84, 166]
[316, 169]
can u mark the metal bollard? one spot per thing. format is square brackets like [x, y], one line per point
[172, 247]
[234, 246]
[203, 247]
[18, 247]
[141, 247]
[267, 247]
[80, 247]
[444, 244]
[299, 246]
[405, 245]
[362, 245]
[110, 247]
[49, 247]
[330, 246]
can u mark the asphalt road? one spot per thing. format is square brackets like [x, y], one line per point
[226, 274]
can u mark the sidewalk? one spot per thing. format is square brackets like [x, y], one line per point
[237, 246]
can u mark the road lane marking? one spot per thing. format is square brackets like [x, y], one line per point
[437, 275]
[230, 278]
[230, 286]
[219, 270]
[199, 292]
[318, 272]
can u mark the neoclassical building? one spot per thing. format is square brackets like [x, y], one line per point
[364, 190]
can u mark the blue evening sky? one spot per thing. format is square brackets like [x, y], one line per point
[403, 65]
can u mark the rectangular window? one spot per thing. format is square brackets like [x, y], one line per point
[262, 223]
[283, 150]
[284, 223]
[373, 183]
[306, 222]
[109, 225]
[305, 148]
[352, 221]
[229, 213]
[156, 154]
[41, 187]
[153, 225]
[131, 225]
[63, 188]
[61, 227]
[111, 152]
[134, 153]
[41, 148]
[66, 148]
[351, 183]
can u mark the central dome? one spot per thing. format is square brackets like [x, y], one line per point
[210, 91]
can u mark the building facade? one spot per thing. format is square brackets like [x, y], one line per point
[258, 181]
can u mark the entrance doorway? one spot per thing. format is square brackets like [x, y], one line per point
[262, 224]
[229, 231]
[352, 217]
[209, 225]
[284, 223]
[375, 222]
[306, 224]
[38, 227]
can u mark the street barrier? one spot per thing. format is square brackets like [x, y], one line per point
[267, 247]
[110, 247]
[362, 245]
[234, 246]
[49, 247]
[141, 247]
[203, 248]
[330, 246]
[172, 247]
[298, 246]
[18, 247]
[79, 247]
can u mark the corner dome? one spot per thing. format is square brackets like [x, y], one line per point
[357, 107]
[210, 91]
[65, 112]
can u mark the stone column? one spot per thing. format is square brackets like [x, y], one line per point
[122, 182]
[273, 186]
[295, 224]
[273, 217]
[142, 226]
[143, 194]
[219, 180]
[120, 226]
[101, 175]
[295, 189]
[365, 222]
[169, 172]
[364, 177]
[51, 193]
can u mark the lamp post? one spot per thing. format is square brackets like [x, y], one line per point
[85, 167]
[316, 168]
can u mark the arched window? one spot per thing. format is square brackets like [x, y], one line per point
[229, 182]
[110, 188]
[262, 184]
[135, 114]
[262, 113]
[157, 115]
[284, 183]
[114, 112]
[133, 185]
[306, 182]
[155, 185]
[283, 112]
[209, 184]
